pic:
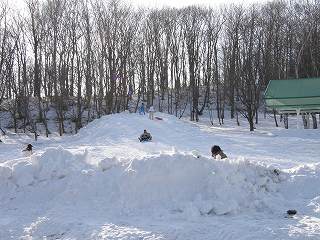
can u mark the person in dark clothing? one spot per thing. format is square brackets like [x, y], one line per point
[217, 152]
[28, 150]
[145, 136]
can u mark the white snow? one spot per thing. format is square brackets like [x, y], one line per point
[104, 184]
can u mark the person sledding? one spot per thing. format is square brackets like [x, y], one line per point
[28, 150]
[145, 136]
[217, 152]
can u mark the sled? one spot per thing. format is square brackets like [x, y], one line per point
[291, 213]
[144, 140]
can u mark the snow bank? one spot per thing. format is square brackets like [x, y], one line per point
[185, 183]
[57, 163]
[23, 173]
[177, 182]
[108, 163]
[54, 163]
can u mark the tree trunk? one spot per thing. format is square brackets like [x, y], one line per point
[275, 118]
[286, 121]
[314, 121]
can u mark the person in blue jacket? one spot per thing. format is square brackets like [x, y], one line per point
[141, 109]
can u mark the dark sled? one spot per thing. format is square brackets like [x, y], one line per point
[145, 140]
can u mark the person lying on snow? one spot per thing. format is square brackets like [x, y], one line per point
[28, 150]
[145, 136]
[217, 152]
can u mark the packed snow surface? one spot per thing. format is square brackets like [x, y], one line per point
[104, 184]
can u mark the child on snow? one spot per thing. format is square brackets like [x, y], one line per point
[151, 113]
[28, 150]
[145, 136]
[217, 152]
[141, 109]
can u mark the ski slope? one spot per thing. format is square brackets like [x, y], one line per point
[104, 184]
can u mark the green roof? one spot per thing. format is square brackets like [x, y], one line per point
[291, 94]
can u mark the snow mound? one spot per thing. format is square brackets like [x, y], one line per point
[108, 163]
[57, 163]
[23, 173]
[121, 127]
[54, 163]
[196, 185]
[177, 182]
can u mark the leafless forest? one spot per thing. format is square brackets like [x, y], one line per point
[85, 59]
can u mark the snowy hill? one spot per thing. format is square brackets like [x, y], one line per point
[104, 184]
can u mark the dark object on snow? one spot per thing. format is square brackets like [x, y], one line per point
[292, 212]
[216, 150]
[28, 148]
[276, 172]
[145, 136]
[0, 141]
[158, 118]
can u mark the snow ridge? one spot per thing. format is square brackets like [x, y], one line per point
[177, 182]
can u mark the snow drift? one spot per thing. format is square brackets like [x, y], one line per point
[183, 183]
[176, 182]
[104, 184]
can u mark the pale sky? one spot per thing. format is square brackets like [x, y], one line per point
[161, 3]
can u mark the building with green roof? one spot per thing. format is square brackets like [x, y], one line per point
[299, 96]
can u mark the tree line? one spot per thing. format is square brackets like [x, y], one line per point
[101, 57]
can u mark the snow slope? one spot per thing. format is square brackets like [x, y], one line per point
[104, 184]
